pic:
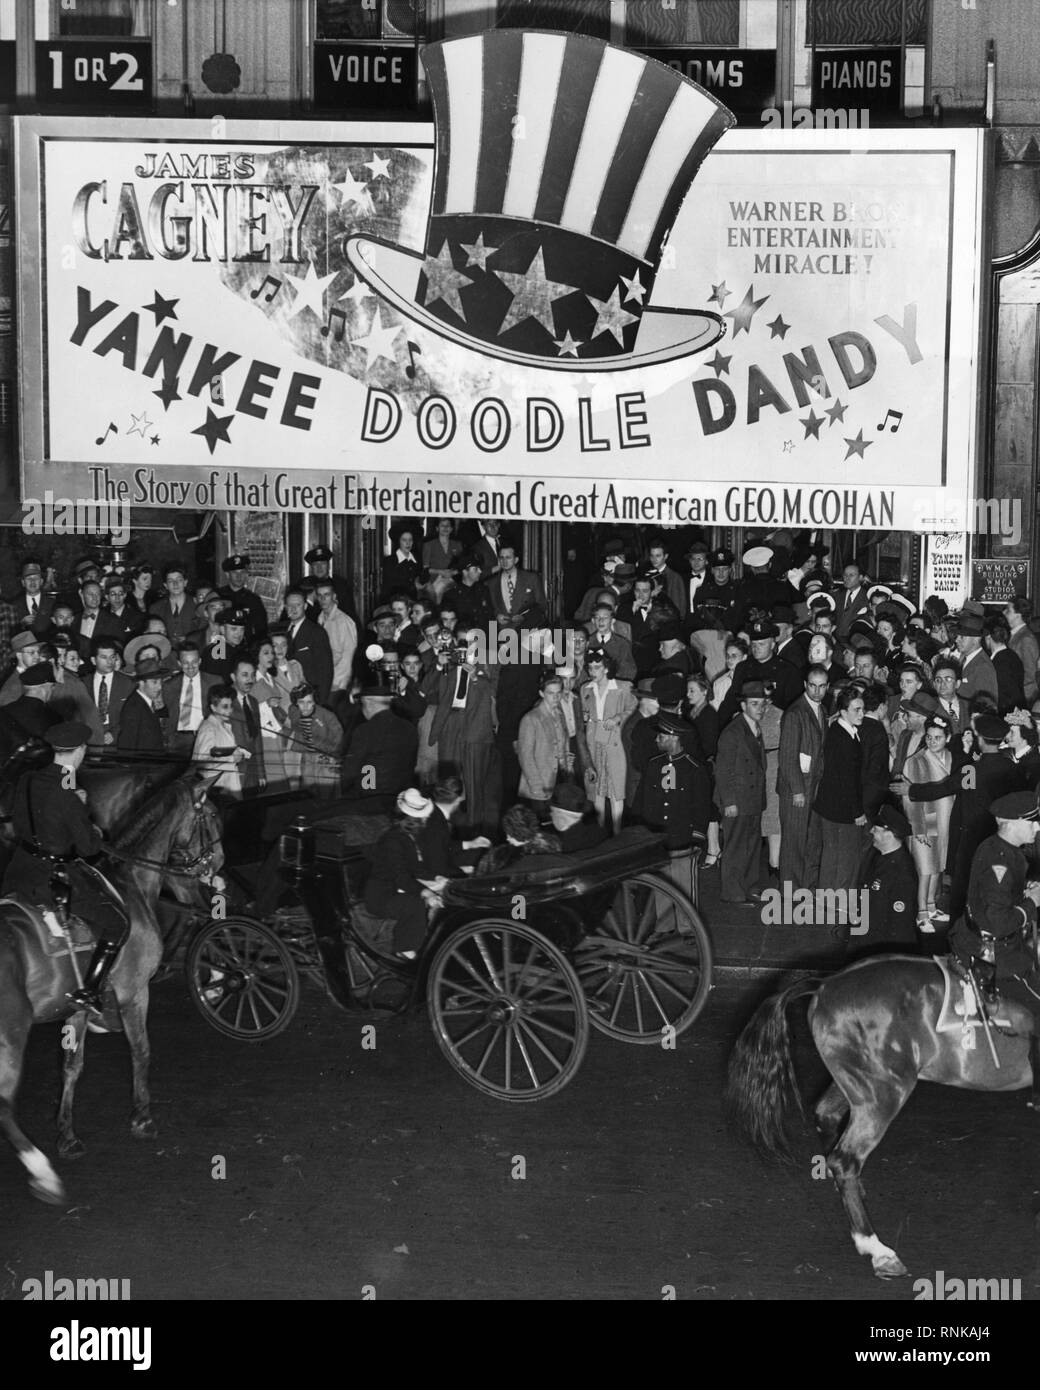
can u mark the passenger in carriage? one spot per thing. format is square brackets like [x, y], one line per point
[444, 854]
[571, 813]
[402, 884]
[525, 841]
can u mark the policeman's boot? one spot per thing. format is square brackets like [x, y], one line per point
[90, 994]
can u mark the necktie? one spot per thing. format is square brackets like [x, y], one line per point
[32, 607]
[252, 728]
[184, 722]
[510, 586]
[102, 704]
[461, 683]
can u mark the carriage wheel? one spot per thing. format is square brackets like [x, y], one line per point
[507, 1010]
[242, 979]
[649, 966]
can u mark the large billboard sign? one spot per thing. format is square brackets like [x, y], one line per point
[579, 297]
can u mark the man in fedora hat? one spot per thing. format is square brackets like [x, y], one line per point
[26, 648]
[977, 673]
[890, 879]
[380, 759]
[142, 726]
[740, 781]
[31, 610]
[31, 711]
[53, 826]
[803, 728]
[571, 813]
[237, 594]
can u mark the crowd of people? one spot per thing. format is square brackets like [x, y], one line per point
[794, 726]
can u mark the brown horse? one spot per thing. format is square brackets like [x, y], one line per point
[174, 837]
[874, 1026]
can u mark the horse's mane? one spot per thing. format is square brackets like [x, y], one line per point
[161, 809]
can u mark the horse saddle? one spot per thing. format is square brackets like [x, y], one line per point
[960, 1005]
[42, 924]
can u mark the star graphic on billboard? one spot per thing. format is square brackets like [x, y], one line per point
[567, 345]
[380, 167]
[719, 294]
[812, 423]
[533, 295]
[140, 424]
[858, 446]
[610, 317]
[379, 341]
[310, 291]
[477, 253]
[836, 412]
[215, 430]
[720, 364]
[745, 312]
[168, 392]
[634, 288]
[778, 329]
[353, 190]
[443, 281]
[162, 308]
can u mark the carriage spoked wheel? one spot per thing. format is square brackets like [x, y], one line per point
[507, 1010]
[648, 967]
[242, 979]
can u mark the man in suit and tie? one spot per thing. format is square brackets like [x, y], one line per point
[116, 619]
[486, 544]
[26, 648]
[32, 608]
[142, 722]
[245, 724]
[851, 601]
[309, 645]
[1022, 642]
[108, 687]
[697, 559]
[946, 677]
[90, 624]
[977, 673]
[637, 615]
[740, 783]
[803, 726]
[1006, 663]
[186, 696]
[517, 595]
[783, 617]
[176, 610]
[666, 579]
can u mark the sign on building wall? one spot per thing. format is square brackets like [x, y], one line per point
[996, 581]
[946, 568]
[358, 76]
[595, 303]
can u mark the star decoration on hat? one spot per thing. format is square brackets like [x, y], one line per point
[443, 281]
[353, 190]
[215, 430]
[719, 294]
[836, 412]
[568, 346]
[140, 424]
[812, 423]
[379, 340]
[310, 291]
[610, 317]
[162, 308]
[778, 329]
[720, 364]
[168, 393]
[745, 312]
[858, 446]
[634, 288]
[533, 295]
[477, 253]
[380, 167]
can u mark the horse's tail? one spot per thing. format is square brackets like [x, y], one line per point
[761, 1081]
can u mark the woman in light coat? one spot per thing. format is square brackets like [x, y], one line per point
[930, 820]
[606, 704]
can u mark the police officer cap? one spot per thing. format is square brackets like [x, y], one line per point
[70, 734]
[753, 690]
[235, 617]
[758, 632]
[721, 557]
[40, 674]
[1016, 806]
[666, 723]
[991, 727]
[317, 552]
[667, 688]
[891, 819]
[235, 562]
[757, 556]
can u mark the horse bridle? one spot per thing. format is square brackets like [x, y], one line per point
[201, 867]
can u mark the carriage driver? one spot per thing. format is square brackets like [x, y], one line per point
[54, 828]
[1002, 905]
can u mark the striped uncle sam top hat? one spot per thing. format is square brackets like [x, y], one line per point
[560, 166]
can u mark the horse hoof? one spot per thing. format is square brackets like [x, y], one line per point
[144, 1129]
[890, 1267]
[71, 1148]
[53, 1195]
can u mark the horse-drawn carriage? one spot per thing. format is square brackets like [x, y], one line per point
[515, 968]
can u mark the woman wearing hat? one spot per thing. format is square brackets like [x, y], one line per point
[606, 704]
[399, 884]
[318, 736]
[930, 820]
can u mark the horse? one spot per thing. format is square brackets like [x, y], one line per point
[874, 1026]
[175, 836]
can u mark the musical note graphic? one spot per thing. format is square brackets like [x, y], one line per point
[896, 415]
[111, 430]
[413, 349]
[267, 280]
[337, 325]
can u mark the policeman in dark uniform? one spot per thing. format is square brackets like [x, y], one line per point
[675, 793]
[319, 558]
[890, 880]
[761, 591]
[762, 665]
[721, 595]
[236, 594]
[1001, 910]
[220, 656]
[54, 830]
